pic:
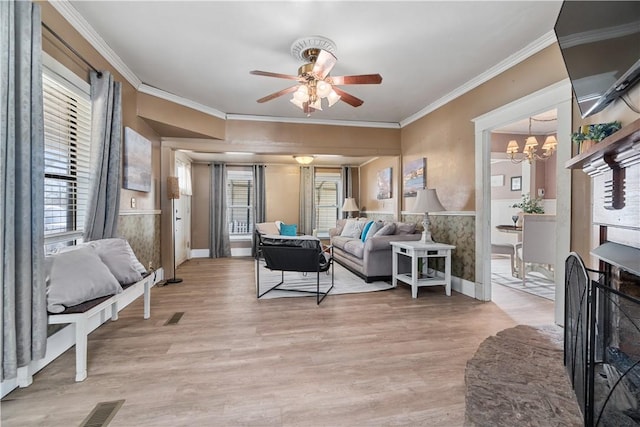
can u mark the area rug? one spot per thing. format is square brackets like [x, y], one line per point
[345, 282]
[535, 284]
[517, 378]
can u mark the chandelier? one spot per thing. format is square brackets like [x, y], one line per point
[530, 150]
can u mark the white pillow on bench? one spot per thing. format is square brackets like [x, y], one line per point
[119, 257]
[77, 276]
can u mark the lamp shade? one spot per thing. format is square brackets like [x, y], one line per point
[349, 205]
[173, 187]
[427, 201]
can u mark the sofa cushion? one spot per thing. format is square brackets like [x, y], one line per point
[405, 228]
[354, 247]
[353, 228]
[387, 229]
[339, 241]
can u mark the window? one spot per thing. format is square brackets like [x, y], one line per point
[328, 189]
[240, 201]
[184, 177]
[67, 133]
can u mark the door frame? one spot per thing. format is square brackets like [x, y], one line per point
[558, 96]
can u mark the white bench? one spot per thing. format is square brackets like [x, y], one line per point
[113, 304]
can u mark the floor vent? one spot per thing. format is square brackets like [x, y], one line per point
[102, 414]
[175, 318]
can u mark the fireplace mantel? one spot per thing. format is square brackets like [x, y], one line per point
[609, 148]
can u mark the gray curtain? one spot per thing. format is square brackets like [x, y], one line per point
[347, 185]
[106, 141]
[259, 202]
[219, 244]
[347, 182]
[307, 214]
[24, 312]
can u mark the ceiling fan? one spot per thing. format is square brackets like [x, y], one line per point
[314, 81]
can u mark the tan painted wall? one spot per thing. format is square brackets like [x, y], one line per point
[283, 193]
[368, 200]
[446, 136]
[294, 138]
[178, 116]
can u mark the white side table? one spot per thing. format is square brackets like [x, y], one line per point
[416, 250]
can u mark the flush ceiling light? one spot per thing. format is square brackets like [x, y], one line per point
[304, 160]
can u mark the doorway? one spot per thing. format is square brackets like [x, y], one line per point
[557, 96]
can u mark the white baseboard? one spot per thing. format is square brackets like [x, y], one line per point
[240, 251]
[463, 286]
[200, 253]
[60, 342]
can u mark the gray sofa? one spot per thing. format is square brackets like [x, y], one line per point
[371, 259]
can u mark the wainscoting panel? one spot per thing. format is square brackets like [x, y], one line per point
[143, 233]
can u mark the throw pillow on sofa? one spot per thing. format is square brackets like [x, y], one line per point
[387, 229]
[365, 230]
[373, 229]
[405, 228]
[352, 228]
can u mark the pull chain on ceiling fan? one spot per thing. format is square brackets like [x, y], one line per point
[314, 82]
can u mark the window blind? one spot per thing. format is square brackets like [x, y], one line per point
[67, 133]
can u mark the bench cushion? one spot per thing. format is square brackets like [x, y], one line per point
[77, 276]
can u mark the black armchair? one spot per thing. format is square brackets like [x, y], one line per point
[300, 254]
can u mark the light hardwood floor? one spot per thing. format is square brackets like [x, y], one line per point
[379, 358]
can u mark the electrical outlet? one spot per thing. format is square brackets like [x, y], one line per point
[133, 202]
[150, 265]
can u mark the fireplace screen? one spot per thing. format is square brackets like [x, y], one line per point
[602, 343]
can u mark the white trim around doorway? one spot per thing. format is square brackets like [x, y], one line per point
[556, 96]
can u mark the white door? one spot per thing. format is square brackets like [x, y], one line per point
[182, 215]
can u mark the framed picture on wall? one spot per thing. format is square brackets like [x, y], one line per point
[516, 183]
[414, 177]
[384, 184]
[137, 161]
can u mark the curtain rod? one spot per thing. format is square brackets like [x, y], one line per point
[75, 52]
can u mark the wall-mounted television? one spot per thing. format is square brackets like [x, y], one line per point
[600, 44]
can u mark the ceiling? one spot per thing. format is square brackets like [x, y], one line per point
[200, 53]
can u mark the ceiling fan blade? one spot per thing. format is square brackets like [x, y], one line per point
[362, 79]
[269, 74]
[348, 98]
[324, 63]
[277, 94]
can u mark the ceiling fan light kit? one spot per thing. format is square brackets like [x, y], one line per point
[314, 82]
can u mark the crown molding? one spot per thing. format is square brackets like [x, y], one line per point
[167, 96]
[532, 48]
[308, 121]
[76, 20]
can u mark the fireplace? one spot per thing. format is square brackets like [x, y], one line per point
[602, 342]
[602, 307]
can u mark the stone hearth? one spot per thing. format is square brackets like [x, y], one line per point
[518, 378]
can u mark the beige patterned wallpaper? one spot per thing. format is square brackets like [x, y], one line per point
[142, 231]
[457, 230]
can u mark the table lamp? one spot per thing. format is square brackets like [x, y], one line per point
[350, 206]
[427, 201]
